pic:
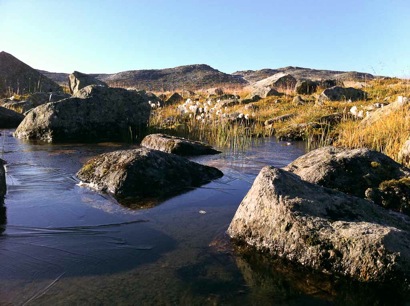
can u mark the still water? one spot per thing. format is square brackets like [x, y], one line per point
[62, 244]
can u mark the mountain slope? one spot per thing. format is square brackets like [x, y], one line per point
[18, 77]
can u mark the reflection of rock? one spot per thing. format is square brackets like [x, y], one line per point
[322, 228]
[2, 179]
[177, 145]
[144, 173]
[277, 280]
[3, 216]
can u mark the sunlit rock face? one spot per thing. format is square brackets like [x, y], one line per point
[323, 229]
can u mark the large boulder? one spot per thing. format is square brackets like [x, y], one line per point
[2, 179]
[360, 172]
[322, 228]
[34, 100]
[9, 118]
[177, 145]
[144, 173]
[401, 103]
[78, 80]
[94, 113]
[175, 98]
[338, 93]
[306, 87]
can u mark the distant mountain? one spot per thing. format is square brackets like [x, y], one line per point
[18, 77]
[253, 76]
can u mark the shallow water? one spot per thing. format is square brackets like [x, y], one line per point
[62, 244]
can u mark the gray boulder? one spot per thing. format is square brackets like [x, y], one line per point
[78, 80]
[94, 113]
[9, 118]
[306, 87]
[400, 104]
[144, 173]
[3, 187]
[359, 172]
[34, 100]
[177, 145]
[323, 229]
[338, 93]
[279, 119]
[262, 92]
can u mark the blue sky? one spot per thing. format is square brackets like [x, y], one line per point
[109, 36]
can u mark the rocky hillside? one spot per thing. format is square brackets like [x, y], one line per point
[18, 77]
[303, 73]
[191, 77]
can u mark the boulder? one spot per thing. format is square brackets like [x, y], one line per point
[175, 98]
[298, 100]
[359, 172]
[306, 87]
[338, 93]
[279, 119]
[78, 80]
[177, 145]
[329, 83]
[94, 113]
[3, 187]
[262, 92]
[34, 100]
[323, 229]
[404, 153]
[400, 104]
[215, 91]
[144, 173]
[9, 118]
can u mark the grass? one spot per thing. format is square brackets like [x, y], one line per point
[329, 124]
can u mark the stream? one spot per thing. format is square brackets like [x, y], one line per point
[62, 244]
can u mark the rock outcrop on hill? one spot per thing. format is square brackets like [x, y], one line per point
[94, 113]
[177, 145]
[9, 118]
[78, 80]
[17, 77]
[323, 229]
[338, 93]
[144, 173]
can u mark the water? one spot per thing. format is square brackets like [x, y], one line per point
[62, 244]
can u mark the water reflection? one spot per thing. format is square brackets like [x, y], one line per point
[3, 216]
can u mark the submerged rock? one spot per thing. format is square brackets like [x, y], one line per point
[9, 118]
[322, 228]
[78, 80]
[144, 173]
[177, 145]
[2, 179]
[94, 113]
[359, 172]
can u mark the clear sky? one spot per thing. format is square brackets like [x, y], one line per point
[95, 36]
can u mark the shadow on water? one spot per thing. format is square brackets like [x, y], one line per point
[3, 216]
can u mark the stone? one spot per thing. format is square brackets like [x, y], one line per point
[404, 153]
[322, 229]
[298, 100]
[279, 119]
[175, 98]
[359, 172]
[34, 100]
[385, 111]
[215, 91]
[338, 93]
[306, 87]
[262, 92]
[94, 113]
[3, 185]
[177, 145]
[78, 80]
[9, 118]
[144, 173]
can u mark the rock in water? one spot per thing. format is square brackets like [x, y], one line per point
[78, 80]
[2, 180]
[177, 145]
[9, 118]
[359, 172]
[94, 113]
[322, 228]
[144, 173]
